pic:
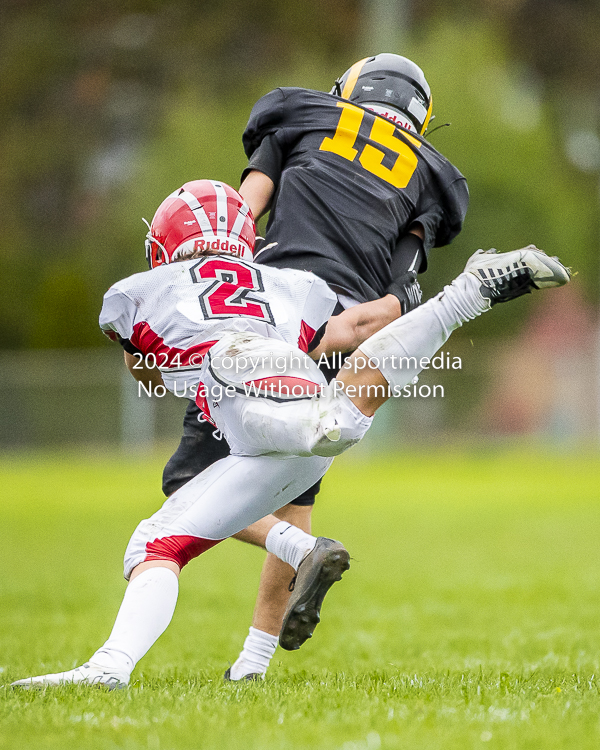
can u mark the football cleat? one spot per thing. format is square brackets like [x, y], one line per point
[87, 674]
[506, 276]
[250, 677]
[317, 573]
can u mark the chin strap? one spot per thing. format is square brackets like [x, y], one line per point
[445, 125]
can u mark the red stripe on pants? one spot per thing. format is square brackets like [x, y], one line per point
[178, 549]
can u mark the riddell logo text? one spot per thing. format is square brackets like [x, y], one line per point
[399, 121]
[223, 245]
[393, 116]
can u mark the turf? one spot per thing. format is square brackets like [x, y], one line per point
[469, 618]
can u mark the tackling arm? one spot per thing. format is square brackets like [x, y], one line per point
[347, 331]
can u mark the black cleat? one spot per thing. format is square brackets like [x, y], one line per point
[317, 573]
[251, 677]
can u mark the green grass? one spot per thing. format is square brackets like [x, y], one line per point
[470, 617]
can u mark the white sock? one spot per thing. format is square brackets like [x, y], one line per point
[420, 333]
[145, 613]
[460, 301]
[256, 655]
[289, 543]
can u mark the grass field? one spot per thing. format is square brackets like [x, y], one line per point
[470, 617]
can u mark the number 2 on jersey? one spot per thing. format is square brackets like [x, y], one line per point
[371, 158]
[229, 295]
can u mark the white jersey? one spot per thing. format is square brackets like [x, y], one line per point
[176, 312]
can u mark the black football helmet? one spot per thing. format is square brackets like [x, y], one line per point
[392, 86]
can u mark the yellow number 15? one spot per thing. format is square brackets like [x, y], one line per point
[371, 158]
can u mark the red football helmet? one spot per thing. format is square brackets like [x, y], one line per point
[201, 215]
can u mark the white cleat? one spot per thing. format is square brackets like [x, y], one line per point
[84, 675]
[505, 276]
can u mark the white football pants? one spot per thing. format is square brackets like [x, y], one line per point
[276, 440]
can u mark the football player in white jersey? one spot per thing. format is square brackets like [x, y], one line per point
[241, 340]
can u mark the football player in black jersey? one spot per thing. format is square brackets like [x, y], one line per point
[357, 196]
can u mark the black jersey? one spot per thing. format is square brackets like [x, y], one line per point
[349, 184]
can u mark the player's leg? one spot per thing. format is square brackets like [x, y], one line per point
[145, 613]
[195, 517]
[191, 521]
[392, 357]
[273, 595]
[274, 586]
[374, 373]
[197, 450]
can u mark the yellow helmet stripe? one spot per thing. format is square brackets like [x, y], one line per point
[427, 116]
[352, 78]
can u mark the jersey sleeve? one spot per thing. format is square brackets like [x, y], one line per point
[318, 308]
[267, 158]
[266, 117]
[266, 135]
[117, 315]
[442, 220]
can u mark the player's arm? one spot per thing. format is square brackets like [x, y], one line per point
[408, 259]
[150, 377]
[347, 331]
[262, 174]
[117, 323]
[257, 190]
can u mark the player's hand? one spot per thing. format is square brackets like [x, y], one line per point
[408, 290]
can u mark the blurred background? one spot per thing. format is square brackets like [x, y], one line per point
[105, 108]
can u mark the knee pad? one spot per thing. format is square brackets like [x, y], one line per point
[340, 423]
[147, 544]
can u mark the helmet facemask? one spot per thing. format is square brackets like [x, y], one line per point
[152, 257]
